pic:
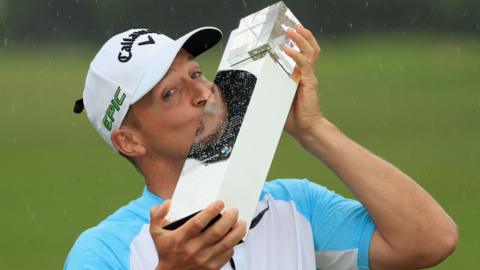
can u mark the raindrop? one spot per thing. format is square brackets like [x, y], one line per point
[350, 25]
[172, 8]
[244, 3]
[459, 49]
[366, 4]
[380, 66]
[5, 42]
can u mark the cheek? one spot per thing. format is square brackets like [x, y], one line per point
[179, 123]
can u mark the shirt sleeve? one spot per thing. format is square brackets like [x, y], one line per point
[91, 252]
[342, 228]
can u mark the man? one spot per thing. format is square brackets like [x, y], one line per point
[146, 96]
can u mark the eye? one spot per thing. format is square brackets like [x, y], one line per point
[169, 93]
[196, 74]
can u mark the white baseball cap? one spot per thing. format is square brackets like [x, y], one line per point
[128, 66]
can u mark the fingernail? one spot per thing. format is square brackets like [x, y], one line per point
[230, 211]
[219, 205]
[242, 223]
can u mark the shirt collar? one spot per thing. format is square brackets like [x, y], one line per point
[149, 199]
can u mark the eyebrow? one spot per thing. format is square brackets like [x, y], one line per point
[190, 57]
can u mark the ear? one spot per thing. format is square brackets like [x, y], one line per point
[128, 141]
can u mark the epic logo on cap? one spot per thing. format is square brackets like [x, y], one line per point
[113, 107]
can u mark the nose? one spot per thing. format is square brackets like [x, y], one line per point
[201, 93]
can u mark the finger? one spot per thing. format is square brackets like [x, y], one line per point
[157, 216]
[218, 230]
[195, 225]
[301, 42]
[299, 58]
[296, 74]
[222, 259]
[231, 239]
[307, 34]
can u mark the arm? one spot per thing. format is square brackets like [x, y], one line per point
[413, 231]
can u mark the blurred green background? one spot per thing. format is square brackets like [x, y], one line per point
[400, 77]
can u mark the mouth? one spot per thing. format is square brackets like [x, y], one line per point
[213, 109]
[209, 131]
[210, 110]
[212, 122]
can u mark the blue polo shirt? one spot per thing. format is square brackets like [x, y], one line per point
[304, 226]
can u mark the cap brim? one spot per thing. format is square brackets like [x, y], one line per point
[196, 42]
[200, 40]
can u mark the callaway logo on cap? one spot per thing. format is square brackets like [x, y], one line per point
[128, 66]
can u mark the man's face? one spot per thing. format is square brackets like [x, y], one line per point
[182, 109]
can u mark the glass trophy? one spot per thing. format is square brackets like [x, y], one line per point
[239, 133]
[264, 32]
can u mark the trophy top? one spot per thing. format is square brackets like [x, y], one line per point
[278, 11]
[264, 32]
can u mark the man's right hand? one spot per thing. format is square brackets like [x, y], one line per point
[192, 247]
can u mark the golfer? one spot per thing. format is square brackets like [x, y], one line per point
[146, 96]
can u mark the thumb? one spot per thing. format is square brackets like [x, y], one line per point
[158, 214]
